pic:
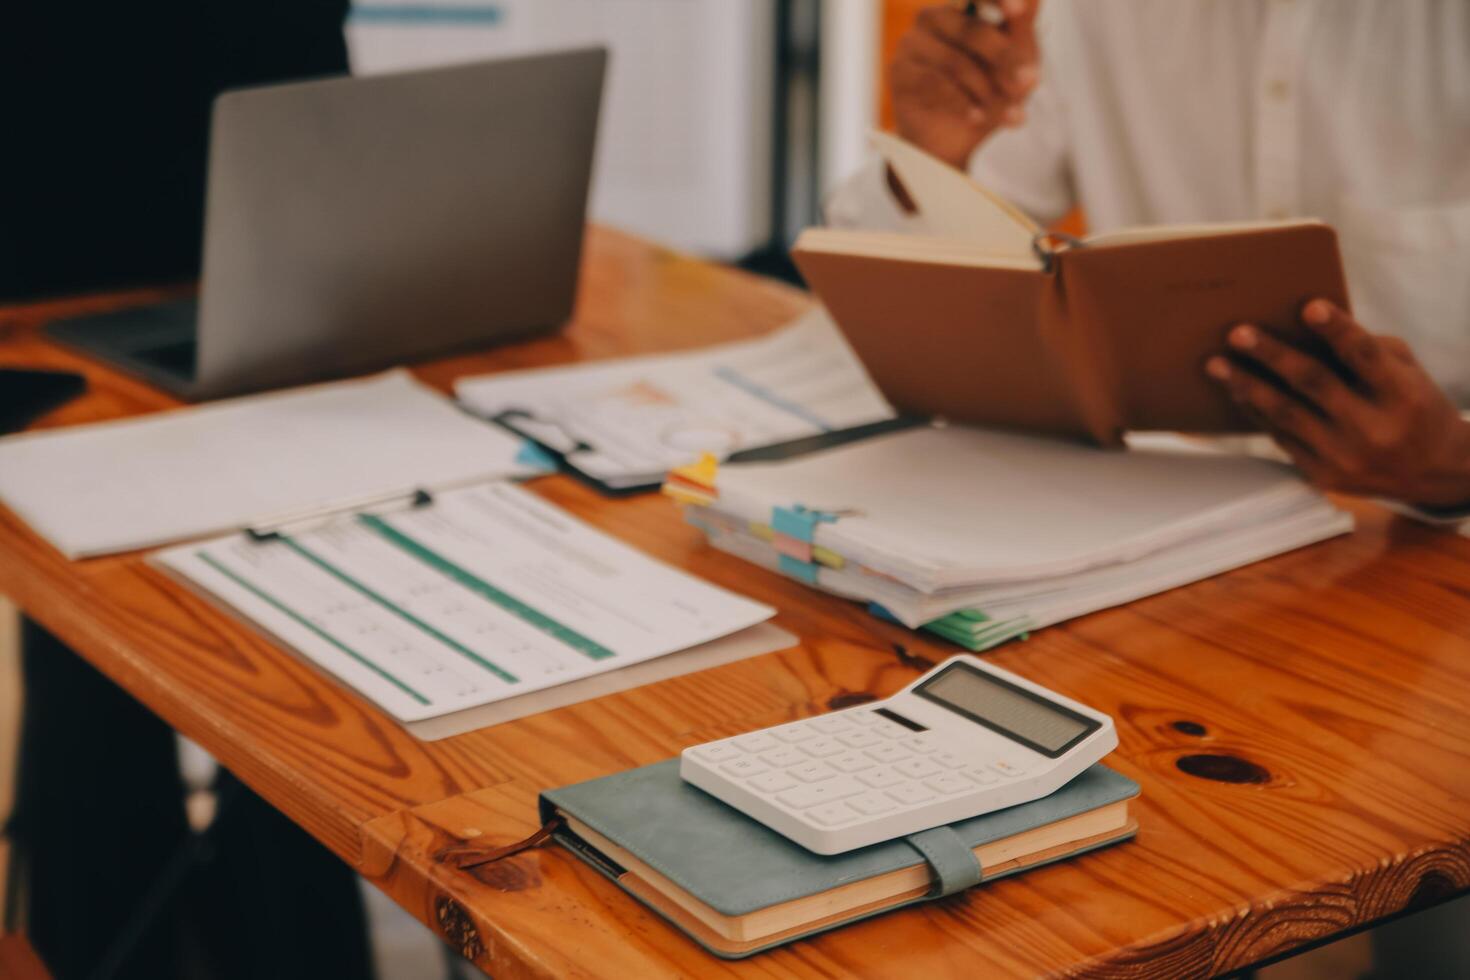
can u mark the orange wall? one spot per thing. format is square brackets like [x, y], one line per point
[897, 16]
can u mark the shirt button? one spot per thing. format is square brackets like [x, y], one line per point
[1278, 89]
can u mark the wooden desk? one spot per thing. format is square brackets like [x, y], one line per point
[1300, 727]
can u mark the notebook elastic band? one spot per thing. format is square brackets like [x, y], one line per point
[473, 857]
[954, 863]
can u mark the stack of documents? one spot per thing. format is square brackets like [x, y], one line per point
[466, 599]
[248, 462]
[982, 536]
[626, 423]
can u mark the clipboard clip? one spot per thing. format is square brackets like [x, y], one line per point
[561, 446]
[522, 423]
[274, 529]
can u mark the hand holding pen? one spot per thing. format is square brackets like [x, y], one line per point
[963, 71]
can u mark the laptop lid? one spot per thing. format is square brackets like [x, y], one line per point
[354, 223]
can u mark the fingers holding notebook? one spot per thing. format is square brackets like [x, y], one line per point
[1374, 423]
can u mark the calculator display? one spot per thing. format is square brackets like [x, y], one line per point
[1010, 710]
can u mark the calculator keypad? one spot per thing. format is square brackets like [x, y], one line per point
[843, 767]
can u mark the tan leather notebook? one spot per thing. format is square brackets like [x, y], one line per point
[990, 320]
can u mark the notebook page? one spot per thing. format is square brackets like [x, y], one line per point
[951, 205]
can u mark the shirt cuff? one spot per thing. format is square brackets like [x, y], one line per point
[1459, 518]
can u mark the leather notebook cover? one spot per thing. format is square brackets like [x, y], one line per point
[1159, 309]
[738, 866]
[1111, 337]
[954, 340]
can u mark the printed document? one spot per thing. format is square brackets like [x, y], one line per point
[483, 594]
[627, 422]
[207, 469]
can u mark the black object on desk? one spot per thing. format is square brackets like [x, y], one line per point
[26, 395]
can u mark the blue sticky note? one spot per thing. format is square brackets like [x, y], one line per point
[533, 455]
[804, 570]
[882, 613]
[798, 522]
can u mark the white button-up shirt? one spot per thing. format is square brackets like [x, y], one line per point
[1179, 111]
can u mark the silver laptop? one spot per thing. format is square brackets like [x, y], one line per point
[354, 223]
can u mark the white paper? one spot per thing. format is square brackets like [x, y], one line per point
[951, 205]
[755, 641]
[959, 506]
[643, 416]
[486, 594]
[135, 483]
[1045, 601]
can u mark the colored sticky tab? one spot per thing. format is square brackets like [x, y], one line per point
[828, 557]
[693, 516]
[882, 613]
[789, 547]
[762, 531]
[701, 474]
[798, 522]
[687, 495]
[533, 455]
[803, 570]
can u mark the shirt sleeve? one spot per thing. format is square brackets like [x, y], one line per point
[1447, 519]
[1457, 518]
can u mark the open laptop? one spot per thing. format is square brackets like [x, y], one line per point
[353, 223]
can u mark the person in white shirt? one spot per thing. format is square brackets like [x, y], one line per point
[1177, 111]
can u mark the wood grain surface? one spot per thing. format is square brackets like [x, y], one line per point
[1299, 727]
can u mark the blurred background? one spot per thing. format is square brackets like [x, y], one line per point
[724, 123]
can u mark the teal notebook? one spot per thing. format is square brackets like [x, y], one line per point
[737, 887]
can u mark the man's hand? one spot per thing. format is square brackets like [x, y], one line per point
[1386, 431]
[957, 78]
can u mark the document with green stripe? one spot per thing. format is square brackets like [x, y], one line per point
[483, 594]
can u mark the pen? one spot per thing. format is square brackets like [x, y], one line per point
[824, 440]
[987, 11]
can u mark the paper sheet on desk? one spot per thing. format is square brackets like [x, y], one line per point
[136, 483]
[641, 416]
[486, 594]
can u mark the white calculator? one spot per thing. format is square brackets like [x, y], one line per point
[965, 739]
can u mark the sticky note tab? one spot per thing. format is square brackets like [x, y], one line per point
[882, 613]
[762, 531]
[805, 571]
[687, 495]
[798, 522]
[789, 547]
[828, 557]
[701, 474]
[533, 455]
